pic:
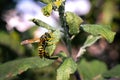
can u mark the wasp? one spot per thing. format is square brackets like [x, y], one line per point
[42, 43]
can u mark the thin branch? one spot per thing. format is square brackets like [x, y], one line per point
[67, 37]
[64, 25]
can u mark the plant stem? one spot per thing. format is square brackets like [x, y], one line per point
[64, 25]
[77, 75]
[66, 32]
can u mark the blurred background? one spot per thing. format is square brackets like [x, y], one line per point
[15, 26]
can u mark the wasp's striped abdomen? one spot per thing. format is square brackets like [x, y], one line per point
[42, 45]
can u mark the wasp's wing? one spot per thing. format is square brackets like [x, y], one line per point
[30, 41]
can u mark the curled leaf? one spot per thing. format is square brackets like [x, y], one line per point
[89, 41]
[73, 21]
[102, 30]
[40, 23]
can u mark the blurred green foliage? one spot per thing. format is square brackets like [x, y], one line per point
[91, 69]
[113, 73]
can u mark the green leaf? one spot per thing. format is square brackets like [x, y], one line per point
[90, 40]
[56, 35]
[50, 49]
[73, 22]
[47, 10]
[102, 30]
[46, 1]
[91, 69]
[114, 72]
[62, 55]
[41, 24]
[12, 68]
[66, 68]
